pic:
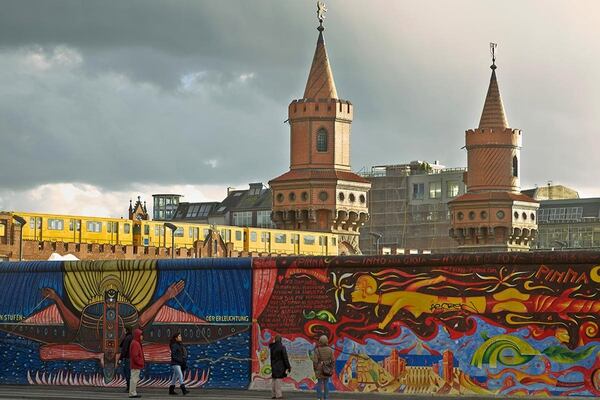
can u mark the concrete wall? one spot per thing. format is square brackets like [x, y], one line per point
[61, 322]
[493, 324]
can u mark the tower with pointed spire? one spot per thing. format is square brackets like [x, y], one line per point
[493, 215]
[320, 192]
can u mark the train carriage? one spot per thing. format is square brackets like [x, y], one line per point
[76, 229]
[81, 229]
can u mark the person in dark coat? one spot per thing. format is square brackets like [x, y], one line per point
[124, 358]
[136, 360]
[280, 366]
[178, 363]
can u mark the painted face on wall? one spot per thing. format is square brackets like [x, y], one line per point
[365, 286]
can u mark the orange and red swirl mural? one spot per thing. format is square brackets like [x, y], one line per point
[496, 324]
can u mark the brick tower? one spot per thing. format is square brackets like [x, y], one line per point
[320, 192]
[493, 215]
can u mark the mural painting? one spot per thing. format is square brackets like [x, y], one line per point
[496, 324]
[61, 323]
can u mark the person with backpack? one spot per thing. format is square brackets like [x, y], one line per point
[178, 363]
[124, 358]
[323, 365]
[280, 366]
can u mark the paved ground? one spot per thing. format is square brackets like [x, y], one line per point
[76, 392]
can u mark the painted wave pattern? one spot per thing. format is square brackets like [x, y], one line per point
[192, 379]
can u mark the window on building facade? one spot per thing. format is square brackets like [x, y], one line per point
[263, 219]
[452, 189]
[560, 214]
[242, 218]
[515, 166]
[322, 140]
[435, 190]
[418, 191]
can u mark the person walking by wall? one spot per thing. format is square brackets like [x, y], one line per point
[137, 362]
[280, 366]
[178, 363]
[124, 358]
[323, 365]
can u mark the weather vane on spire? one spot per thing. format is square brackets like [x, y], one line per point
[321, 10]
[493, 53]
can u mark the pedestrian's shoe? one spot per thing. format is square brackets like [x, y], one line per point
[172, 390]
[184, 390]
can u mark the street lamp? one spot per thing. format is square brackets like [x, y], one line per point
[173, 228]
[21, 221]
[377, 237]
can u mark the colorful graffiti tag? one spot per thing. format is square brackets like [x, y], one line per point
[61, 323]
[503, 324]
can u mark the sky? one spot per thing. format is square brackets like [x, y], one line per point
[102, 101]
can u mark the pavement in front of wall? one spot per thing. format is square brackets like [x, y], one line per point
[94, 393]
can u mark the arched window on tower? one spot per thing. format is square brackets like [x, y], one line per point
[515, 167]
[322, 140]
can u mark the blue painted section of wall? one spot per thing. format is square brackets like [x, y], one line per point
[216, 290]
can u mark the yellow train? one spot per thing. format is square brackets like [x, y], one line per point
[79, 229]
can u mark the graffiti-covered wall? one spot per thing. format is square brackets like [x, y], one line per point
[496, 324]
[62, 322]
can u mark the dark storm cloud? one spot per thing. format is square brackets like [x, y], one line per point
[195, 92]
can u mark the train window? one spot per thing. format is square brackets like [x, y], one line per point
[56, 224]
[178, 232]
[146, 229]
[109, 227]
[309, 239]
[295, 239]
[253, 236]
[126, 228]
[93, 226]
[265, 237]
[193, 232]
[205, 232]
[322, 240]
[31, 223]
[280, 238]
[238, 235]
[74, 224]
[333, 241]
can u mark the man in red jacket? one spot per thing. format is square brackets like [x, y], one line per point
[136, 357]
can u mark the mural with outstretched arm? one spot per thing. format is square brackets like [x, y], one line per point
[494, 324]
[62, 322]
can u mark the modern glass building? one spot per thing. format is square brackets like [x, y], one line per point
[164, 206]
